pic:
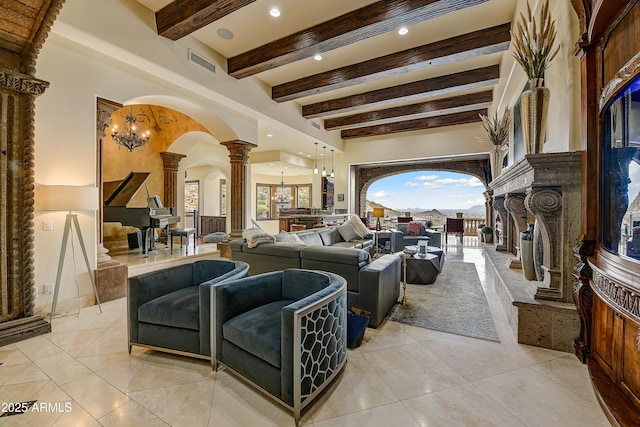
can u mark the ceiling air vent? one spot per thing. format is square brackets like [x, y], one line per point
[316, 125]
[201, 61]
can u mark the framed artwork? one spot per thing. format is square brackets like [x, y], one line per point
[341, 197]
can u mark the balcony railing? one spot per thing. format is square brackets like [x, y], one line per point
[470, 224]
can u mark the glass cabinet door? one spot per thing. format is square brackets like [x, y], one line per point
[621, 173]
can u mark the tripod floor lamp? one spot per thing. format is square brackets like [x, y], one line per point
[71, 199]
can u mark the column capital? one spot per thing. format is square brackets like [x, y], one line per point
[239, 150]
[22, 83]
[543, 201]
[105, 109]
[170, 161]
[514, 203]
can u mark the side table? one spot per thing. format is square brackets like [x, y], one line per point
[424, 269]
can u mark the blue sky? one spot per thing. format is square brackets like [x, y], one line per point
[427, 190]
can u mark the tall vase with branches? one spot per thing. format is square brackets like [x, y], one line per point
[533, 42]
[497, 130]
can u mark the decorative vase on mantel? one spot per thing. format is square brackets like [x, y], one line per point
[526, 253]
[534, 106]
[495, 162]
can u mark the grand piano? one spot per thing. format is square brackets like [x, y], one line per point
[117, 194]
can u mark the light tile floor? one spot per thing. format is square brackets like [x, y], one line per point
[400, 376]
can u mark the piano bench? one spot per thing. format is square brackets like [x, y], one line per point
[183, 232]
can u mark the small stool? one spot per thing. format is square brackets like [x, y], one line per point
[183, 232]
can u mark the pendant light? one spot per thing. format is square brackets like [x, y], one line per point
[324, 166]
[315, 169]
[333, 175]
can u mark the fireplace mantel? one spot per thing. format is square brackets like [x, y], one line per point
[547, 185]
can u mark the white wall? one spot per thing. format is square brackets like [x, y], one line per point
[65, 148]
[562, 78]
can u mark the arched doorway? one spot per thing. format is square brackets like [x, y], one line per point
[365, 175]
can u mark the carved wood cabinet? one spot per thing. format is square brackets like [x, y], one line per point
[607, 288]
[212, 224]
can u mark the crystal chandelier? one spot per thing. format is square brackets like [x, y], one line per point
[282, 199]
[128, 136]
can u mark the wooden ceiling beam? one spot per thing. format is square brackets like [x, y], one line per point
[449, 83]
[466, 46]
[439, 107]
[412, 125]
[182, 17]
[360, 24]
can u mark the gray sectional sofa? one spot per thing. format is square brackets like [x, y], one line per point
[373, 286]
[435, 237]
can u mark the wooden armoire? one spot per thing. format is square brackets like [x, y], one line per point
[607, 290]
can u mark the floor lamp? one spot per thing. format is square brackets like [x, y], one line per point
[378, 213]
[69, 198]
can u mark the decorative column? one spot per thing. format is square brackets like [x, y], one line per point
[546, 205]
[506, 243]
[583, 296]
[170, 162]
[239, 155]
[110, 276]
[514, 204]
[488, 209]
[17, 104]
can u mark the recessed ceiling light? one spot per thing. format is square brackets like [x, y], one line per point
[402, 31]
[223, 33]
[271, 164]
[269, 135]
[317, 57]
[308, 155]
[274, 12]
[299, 152]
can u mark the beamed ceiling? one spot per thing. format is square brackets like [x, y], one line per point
[371, 80]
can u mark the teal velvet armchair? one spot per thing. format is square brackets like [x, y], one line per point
[285, 332]
[169, 309]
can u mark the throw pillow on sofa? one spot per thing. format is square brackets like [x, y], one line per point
[282, 236]
[353, 229]
[294, 238]
[285, 237]
[361, 229]
[255, 237]
[414, 228]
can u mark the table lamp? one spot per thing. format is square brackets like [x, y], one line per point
[378, 213]
[69, 198]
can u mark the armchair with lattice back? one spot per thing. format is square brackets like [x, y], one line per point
[453, 225]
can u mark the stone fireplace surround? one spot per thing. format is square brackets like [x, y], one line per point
[547, 187]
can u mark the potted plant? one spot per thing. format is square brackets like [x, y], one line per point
[487, 234]
[497, 130]
[533, 43]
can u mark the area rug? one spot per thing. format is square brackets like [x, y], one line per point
[455, 303]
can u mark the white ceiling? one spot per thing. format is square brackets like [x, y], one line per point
[253, 26]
